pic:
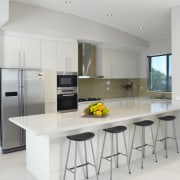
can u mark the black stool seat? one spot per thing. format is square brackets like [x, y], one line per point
[116, 129]
[144, 123]
[81, 137]
[167, 118]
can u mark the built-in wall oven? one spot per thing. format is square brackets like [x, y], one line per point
[67, 96]
[66, 79]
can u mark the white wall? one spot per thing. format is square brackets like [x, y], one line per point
[175, 29]
[30, 19]
[4, 11]
[155, 48]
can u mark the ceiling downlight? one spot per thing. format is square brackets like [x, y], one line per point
[68, 1]
[109, 15]
[140, 28]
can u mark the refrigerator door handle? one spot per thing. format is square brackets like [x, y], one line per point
[20, 93]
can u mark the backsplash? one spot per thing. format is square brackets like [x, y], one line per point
[106, 88]
[115, 88]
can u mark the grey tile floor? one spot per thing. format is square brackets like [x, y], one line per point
[12, 167]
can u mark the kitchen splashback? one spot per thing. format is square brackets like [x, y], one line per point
[111, 88]
[105, 88]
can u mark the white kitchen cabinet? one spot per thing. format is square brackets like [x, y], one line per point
[20, 52]
[48, 54]
[113, 63]
[50, 86]
[31, 53]
[67, 56]
[103, 63]
[10, 51]
[50, 107]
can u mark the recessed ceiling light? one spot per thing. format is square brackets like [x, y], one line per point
[68, 1]
[109, 14]
[140, 28]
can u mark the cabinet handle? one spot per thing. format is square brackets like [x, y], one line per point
[69, 63]
[66, 63]
[24, 58]
[19, 58]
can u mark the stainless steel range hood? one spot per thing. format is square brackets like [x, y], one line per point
[87, 61]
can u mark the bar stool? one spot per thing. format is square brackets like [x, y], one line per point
[79, 138]
[141, 148]
[114, 130]
[167, 119]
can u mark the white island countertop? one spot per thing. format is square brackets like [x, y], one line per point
[46, 124]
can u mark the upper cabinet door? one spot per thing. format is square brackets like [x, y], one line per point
[67, 56]
[48, 54]
[61, 58]
[19, 52]
[31, 53]
[73, 56]
[10, 51]
[114, 63]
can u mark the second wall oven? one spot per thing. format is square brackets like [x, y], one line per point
[67, 96]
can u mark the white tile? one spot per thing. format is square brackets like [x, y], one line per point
[13, 167]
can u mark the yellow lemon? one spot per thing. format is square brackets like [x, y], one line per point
[101, 108]
[99, 104]
[98, 113]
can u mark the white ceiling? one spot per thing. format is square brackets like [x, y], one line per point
[127, 15]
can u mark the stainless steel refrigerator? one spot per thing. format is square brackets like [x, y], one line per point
[21, 94]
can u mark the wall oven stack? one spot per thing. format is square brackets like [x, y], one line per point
[67, 98]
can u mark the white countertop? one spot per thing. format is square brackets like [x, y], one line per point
[46, 124]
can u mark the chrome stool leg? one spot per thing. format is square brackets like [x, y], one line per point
[111, 156]
[126, 153]
[95, 165]
[143, 142]
[166, 140]
[175, 137]
[75, 166]
[102, 153]
[154, 150]
[117, 151]
[156, 136]
[132, 144]
[67, 158]
[142, 148]
[85, 149]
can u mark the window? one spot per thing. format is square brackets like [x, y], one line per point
[160, 73]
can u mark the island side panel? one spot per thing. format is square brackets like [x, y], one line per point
[37, 155]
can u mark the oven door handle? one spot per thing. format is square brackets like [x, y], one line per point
[68, 94]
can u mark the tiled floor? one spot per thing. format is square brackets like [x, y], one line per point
[12, 167]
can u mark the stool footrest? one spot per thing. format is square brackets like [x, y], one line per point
[162, 140]
[72, 168]
[139, 147]
[106, 158]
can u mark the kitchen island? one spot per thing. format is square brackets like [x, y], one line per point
[46, 143]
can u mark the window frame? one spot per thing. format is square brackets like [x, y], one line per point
[167, 72]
